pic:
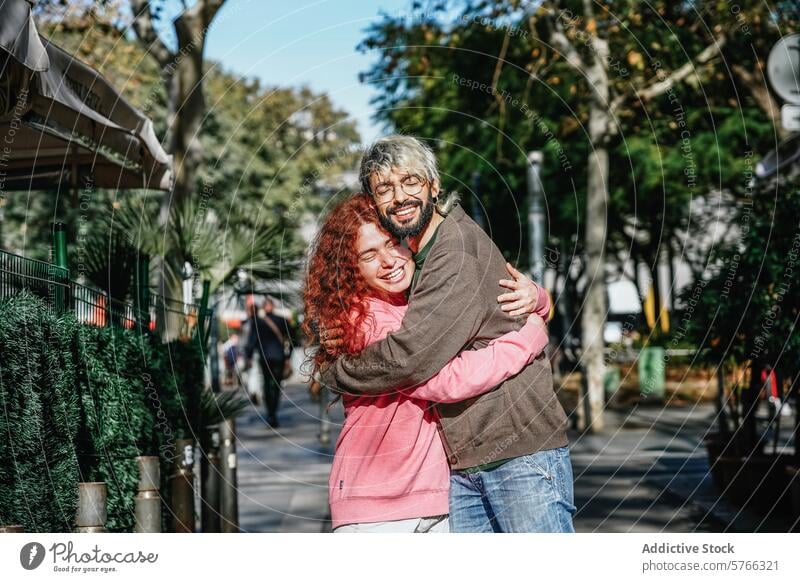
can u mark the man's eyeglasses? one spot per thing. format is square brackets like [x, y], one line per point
[412, 185]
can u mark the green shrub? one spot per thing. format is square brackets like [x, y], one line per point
[40, 416]
[118, 421]
[80, 403]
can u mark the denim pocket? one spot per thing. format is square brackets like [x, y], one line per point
[541, 463]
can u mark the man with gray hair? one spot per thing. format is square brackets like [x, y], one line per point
[507, 449]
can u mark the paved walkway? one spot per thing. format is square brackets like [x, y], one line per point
[647, 473]
[283, 472]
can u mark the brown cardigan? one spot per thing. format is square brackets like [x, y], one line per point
[454, 307]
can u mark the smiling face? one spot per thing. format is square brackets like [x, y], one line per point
[383, 262]
[404, 200]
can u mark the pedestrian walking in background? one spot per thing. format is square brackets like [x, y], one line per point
[269, 339]
[230, 353]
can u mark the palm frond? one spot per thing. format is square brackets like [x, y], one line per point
[219, 407]
[194, 235]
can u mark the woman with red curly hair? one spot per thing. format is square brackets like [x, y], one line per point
[390, 471]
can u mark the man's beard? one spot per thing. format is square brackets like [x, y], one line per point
[408, 230]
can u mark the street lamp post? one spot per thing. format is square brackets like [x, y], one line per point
[536, 216]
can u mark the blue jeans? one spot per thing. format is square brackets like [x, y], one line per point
[532, 493]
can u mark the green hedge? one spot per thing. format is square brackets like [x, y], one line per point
[40, 417]
[176, 410]
[172, 365]
[117, 421]
[80, 404]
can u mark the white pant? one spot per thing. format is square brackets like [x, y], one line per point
[435, 524]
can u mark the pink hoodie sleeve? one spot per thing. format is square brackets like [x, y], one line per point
[542, 308]
[474, 372]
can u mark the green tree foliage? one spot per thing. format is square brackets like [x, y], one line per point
[486, 82]
[265, 151]
[746, 307]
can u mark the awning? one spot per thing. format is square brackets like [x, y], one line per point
[62, 124]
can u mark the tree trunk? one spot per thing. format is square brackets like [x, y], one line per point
[751, 439]
[793, 392]
[719, 401]
[594, 315]
[173, 101]
[182, 73]
[186, 148]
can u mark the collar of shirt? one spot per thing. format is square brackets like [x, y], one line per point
[421, 255]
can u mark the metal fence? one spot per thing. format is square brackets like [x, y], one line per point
[173, 319]
[169, 318]
[42, 279]
[94, 307]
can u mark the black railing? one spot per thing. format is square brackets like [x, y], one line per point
[94, 307]
[169, 318]
[173, 319]
[42, 279]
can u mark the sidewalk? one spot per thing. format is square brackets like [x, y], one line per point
[283, 473]
[647, 473]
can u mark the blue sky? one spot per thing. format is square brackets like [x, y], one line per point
[302, 42]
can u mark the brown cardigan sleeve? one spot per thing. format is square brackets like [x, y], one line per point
[445, 312]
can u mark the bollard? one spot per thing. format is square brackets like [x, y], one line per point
[182, 487]
[209, 482]
[611, 382]
[228, 489]
[324, 417]
[12, 528]
[91, 514]
[148, 500]
[652, 373]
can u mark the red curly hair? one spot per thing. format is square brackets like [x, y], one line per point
[335, 291]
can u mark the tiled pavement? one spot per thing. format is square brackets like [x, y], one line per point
[647, 473]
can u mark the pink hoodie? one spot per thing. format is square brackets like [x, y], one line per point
[389, 462]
